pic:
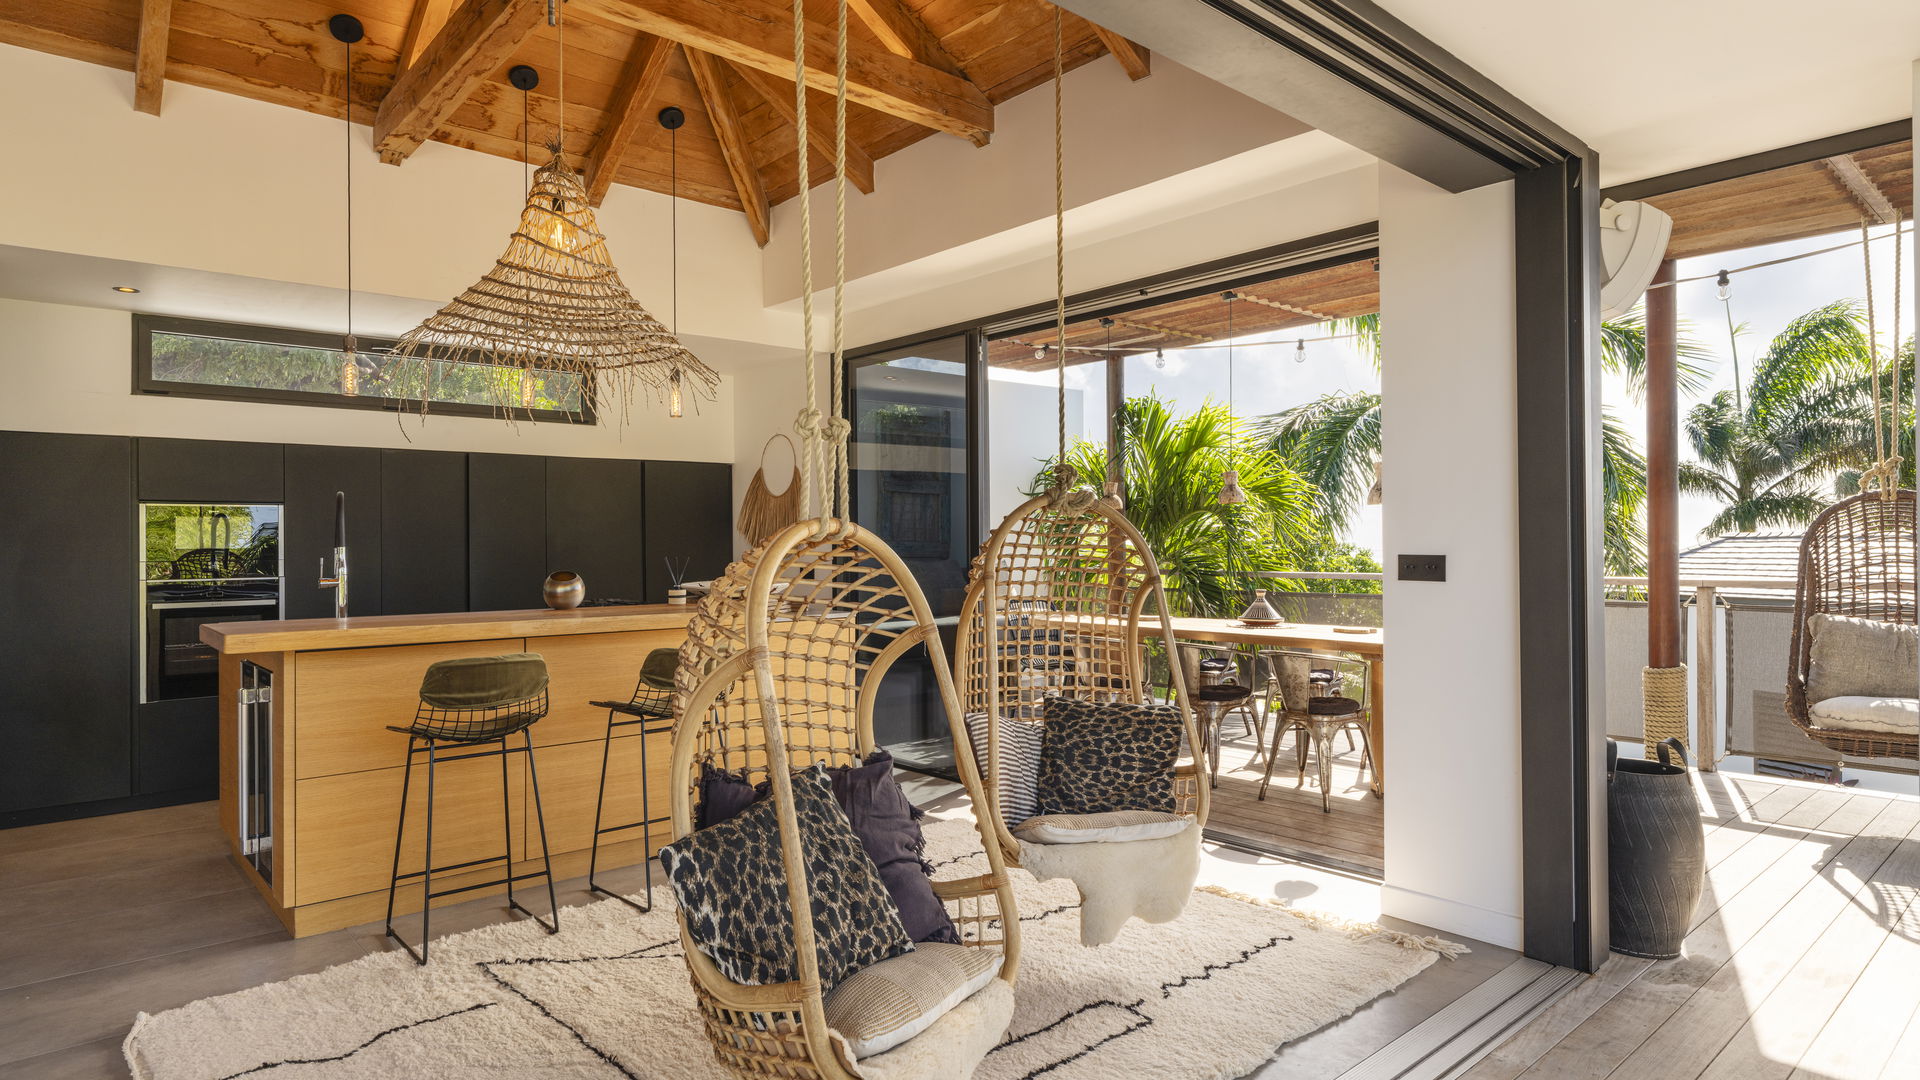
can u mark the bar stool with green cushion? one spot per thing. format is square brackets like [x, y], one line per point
[651, 708]
[466, 704]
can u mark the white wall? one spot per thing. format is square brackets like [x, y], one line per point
[1453, 839]
[70, 369]
[944, 192]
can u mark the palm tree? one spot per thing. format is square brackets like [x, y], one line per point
[1173, 469]
[1335, 440]
[1806, 419]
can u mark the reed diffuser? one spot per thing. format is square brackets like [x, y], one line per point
[677, 592]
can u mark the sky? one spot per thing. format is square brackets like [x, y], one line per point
[1270, 373]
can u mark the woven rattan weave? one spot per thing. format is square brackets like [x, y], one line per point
[1054, 607]
[1857, 558]
[774, 679]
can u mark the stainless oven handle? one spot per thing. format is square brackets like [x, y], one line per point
[174, 604]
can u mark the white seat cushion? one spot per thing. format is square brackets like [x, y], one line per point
[885, 1004]
[1888, 715]
[1111, 827]
[1018, 781]
[1861, 658]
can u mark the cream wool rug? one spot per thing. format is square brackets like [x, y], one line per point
[1209, 996]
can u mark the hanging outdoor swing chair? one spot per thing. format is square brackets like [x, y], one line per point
[781, 671]
[1857, 561]
[1053, 613]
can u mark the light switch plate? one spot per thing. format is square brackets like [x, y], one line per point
[1423, 567]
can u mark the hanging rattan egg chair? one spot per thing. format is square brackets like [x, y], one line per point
[1856, 559]
[781, 670]
[1054, 609]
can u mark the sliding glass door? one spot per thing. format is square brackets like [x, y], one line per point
[914, 447]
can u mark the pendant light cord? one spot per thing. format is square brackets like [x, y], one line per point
[350, 343]
[673, 217]
[1059, 244]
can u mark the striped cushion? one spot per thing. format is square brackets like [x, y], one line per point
[882, 1006]
[1113, 826]
[1019, 777]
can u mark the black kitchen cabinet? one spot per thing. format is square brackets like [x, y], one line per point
[67, 574]
[176, 746]
[596, 518]
[689, 515]
[506, 531]
[204, 471]
[423, 532]
[314, 473]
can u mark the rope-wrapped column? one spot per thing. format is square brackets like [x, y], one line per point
[1664, 691]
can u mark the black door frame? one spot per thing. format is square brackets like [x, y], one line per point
[1349, 68]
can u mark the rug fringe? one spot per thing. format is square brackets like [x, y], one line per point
[1358, 931]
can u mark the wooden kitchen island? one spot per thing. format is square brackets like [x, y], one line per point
[327, 773]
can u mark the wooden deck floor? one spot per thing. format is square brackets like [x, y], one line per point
[1290, 820]
[1803, 960]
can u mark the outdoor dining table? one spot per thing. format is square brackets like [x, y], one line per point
[1367, 642]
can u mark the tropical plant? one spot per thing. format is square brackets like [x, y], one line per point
[1802, 428]
[1173, 468]
[1334, 441]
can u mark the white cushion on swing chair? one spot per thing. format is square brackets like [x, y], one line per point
[953, 1046]
[1885, 715]
[1117, 826]
[883, 1005]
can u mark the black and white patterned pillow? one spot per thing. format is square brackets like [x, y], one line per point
[1019, 776]
[732, 888]
[1098, 757]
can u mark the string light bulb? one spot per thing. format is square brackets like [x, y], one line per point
[674, 407]
[1300, 351]
[1726, 288]
[1160, 359]
[1039, 352]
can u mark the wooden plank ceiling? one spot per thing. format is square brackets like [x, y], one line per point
[437, 70]
[1789, 203]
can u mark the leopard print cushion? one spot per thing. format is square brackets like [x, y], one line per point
[1098, 757]
[732, 889]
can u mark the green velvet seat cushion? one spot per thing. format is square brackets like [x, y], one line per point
[480, 682]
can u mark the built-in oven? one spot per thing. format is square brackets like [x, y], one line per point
[203, 563]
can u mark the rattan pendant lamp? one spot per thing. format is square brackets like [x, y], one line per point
[1063, 586]
[554, 304]
[782, 669]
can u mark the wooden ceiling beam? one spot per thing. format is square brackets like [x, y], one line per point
[759, 34]
[1873, 202]
[1134, 59]
[779, 96]
[902, 32]
[427, 19]
[724, 112]
[646, 65]
[150, 55]
[478, 37]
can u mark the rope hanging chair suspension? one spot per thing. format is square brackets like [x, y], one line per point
[781, 670]
[1058, 595]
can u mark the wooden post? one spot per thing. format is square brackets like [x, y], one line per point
[1664, 627]
[1706, 715]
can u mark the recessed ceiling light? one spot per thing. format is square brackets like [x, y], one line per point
[125, 289]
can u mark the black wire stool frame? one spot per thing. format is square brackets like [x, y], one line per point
[466, 728]
[650, 706]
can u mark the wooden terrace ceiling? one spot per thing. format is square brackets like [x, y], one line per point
[1789, 203]
[1300, 300]
[437, 70]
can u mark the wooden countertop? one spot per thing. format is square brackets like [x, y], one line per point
[296, 635]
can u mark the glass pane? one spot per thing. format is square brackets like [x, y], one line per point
[259, 365]
[910, 463]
